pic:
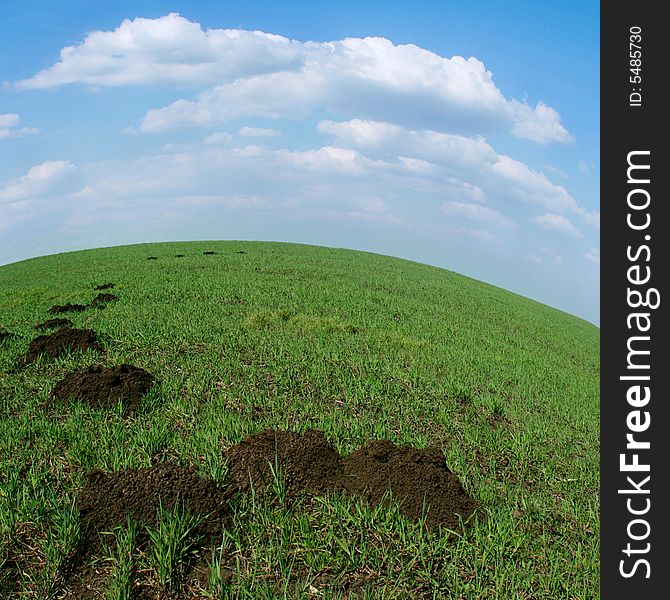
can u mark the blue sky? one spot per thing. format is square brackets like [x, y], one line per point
[464, 135]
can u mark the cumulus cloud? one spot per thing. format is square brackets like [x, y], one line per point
[253, 73]
[9, 127]
[41, 179]
[470, 160]
[258, 132]
[557, 223]
[219, 137]
[475, 212]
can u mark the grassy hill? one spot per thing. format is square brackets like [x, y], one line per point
[281, 336]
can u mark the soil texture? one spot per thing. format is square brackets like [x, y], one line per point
[103, 387]
[57, 309]
[411, 475]
[108, 499]
[60, 342]
[104, 286]
[54, 324]
[102, 299]
[4, 335]
[308, 462]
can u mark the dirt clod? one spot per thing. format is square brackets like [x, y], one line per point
[60, 342]
[63, 308]
[4, 335]
[308, 462]
[107, 499]
[54, 324]
[209, 252]
[102, 387]
[102, 299]
[152, 258]
[411, 475]
[104, 286]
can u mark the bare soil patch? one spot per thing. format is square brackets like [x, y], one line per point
[101, 300]
[60, 342]
[4, 335]
[412, 475]
[58, 323]
[209, 252]
[104, 286]
[307, 461]
[57, 309]
[108, 499]
[103, 387]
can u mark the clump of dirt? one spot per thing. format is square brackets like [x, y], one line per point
[108, 499]
[152, 258]
[4, 335]
[179, 256]
[54, 324]
[412, 475]
[102, 299]
[103, 387]
[209, 252]
[241, 252]
[60, 342]
[308, 462]
[104, 286]
[63, 308]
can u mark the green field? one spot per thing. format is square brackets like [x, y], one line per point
[274, 335]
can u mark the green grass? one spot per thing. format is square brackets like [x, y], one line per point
[288, 336]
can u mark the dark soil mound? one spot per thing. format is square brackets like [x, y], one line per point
[308, 462]
[104, 286]
[102, 387]
[63, 308]
[152, 258]
[54, 324]
[209, 252]
[60, 342]
[4, 335]
[411, 475]
[101, 299]
[107, 499]
[179, 256]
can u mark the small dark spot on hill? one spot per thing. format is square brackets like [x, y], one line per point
[240, 252]
[102, 299]
[60, 342]
[108, 499]
[54, 324]
[63, 308]
[152, 258]
[104, 286]
[179, 256]
[5, 335]
[209, 252]
[102, 387]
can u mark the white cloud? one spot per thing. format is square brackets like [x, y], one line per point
[260, 74]
[471, 161]
[558, 223]
[258, 132]
[9, 120]
[169, 50]
[39, 180]
[220, 137]
[475, 212]
[477, 234]
[541, 124]
[9, 127]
